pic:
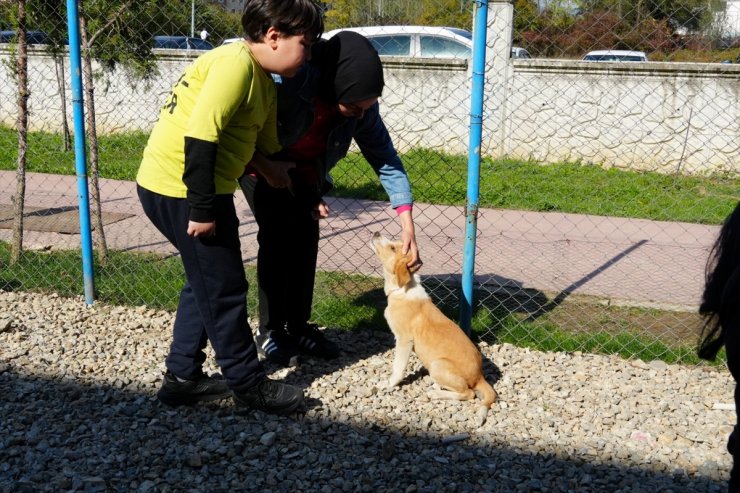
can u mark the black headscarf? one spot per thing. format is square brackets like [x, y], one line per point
[350, 68]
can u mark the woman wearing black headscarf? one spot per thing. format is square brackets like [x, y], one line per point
[720, 307]
[332, 101]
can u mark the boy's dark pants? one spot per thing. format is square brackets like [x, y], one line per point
[212, 302]
[288, 240]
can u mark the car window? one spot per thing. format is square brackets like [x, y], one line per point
[435, 46]
[36, 38]
[169, 42]
[181, 43]
[399, 45]
[461, 32]
[614, 58]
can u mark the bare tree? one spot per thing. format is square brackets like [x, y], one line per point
[113, 40]
[96, 214]
[48, 16]
[66, 136]
[22, 126]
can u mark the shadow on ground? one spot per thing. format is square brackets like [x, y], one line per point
[63, 436]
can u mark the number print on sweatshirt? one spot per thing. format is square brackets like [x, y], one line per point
[171, 101]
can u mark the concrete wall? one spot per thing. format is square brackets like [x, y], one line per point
[658, 116]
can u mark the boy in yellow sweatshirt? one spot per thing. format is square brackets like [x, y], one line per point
[221, 114]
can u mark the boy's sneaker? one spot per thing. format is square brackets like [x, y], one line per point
[277, 347]
[179, 392]
[310, 340]
[271, 396]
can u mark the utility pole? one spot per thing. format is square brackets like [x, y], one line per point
[192, 19]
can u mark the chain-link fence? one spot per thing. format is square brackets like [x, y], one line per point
[602, 185]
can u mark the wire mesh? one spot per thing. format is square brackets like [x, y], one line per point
[602, 185]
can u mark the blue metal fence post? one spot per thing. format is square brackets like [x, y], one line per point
[476, 124]
[73, 28]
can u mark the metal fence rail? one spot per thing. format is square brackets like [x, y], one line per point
[551, 271]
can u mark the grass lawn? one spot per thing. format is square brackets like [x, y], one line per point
[441, 179]
[350, 301]
[347, 301]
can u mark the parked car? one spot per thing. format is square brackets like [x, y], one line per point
[421, 41]
[616, 56]
[416, 41]
[32, 37]
[181, 43]
[520, 53]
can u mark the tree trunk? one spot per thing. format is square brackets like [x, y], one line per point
[96, 215]
[66, 137]
[22, 125]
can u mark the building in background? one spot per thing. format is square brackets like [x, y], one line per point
[233, 6]
[732, 18]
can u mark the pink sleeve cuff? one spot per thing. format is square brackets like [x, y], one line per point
[403, 208]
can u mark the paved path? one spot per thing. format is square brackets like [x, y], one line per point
[621, 260]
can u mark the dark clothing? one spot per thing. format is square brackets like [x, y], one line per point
[344, 69]
[212, 303]
[732, 345]
[720, 307]
[296, 98]
[350, 68]
[288, 240]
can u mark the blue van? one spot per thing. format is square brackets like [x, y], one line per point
[32, 37]
[181, 43]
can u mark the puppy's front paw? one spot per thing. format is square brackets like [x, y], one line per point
[391, 382]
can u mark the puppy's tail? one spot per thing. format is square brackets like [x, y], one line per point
[488, 397]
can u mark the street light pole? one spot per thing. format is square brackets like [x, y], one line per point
[192, 19]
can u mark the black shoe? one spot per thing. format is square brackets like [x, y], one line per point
[277, 347]
[311, 341]
[177, 392]
[271, 396]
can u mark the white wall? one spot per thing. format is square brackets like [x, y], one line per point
[658, 116]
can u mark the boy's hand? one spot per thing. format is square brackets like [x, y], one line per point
[201, 229]
[320, 210]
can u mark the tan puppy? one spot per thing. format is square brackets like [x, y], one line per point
[453, 361]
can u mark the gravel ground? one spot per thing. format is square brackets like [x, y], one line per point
[78, 413]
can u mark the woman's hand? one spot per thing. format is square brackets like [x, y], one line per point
[275, 173]
[408, 239]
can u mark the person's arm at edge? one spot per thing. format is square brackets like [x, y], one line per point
[376, 145]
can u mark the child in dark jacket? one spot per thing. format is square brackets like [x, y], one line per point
[332, 101]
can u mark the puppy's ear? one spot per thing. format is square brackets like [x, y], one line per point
[401, 270]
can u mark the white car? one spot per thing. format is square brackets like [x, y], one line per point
[416, 41]
[616, 56]
[421, 41]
